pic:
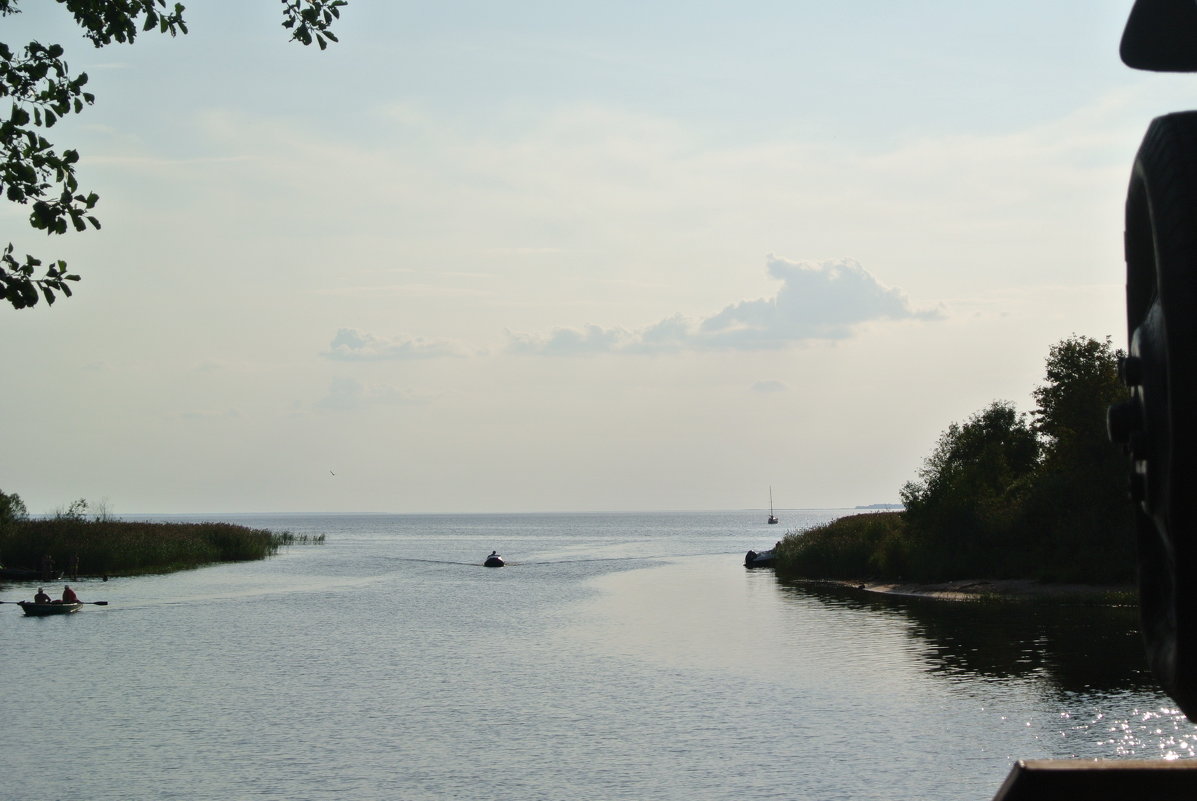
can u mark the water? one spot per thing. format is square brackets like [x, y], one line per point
[619, 656]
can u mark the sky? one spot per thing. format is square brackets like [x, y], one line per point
[561, 256]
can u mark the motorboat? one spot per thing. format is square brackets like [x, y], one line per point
[494, 560]
[759, 559]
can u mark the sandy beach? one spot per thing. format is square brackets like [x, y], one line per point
[1011, 589]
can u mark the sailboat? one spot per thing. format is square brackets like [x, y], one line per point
[772, 517]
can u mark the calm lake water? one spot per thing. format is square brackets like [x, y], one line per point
[620, 656]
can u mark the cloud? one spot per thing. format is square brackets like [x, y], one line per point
[350, 345]
[825, 300]
[816, 301]
[570, 342]
[346, 394]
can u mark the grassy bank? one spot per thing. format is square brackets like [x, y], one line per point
[124, 548]
[887, 547]
[850, 547]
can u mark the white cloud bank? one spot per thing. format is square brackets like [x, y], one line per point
[817, 301]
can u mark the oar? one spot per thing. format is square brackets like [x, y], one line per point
[97, 603]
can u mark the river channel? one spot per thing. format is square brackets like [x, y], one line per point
[617, 656]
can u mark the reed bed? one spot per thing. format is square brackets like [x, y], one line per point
[886, 547]
[856, 546]
[123, 548]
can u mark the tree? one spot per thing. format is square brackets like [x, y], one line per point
[1082, 382]
[12, 508]
[1079, 504]
[960, 508]
[12, 513]
[42, 90]
[981, 458]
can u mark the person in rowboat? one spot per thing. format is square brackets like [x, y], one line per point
[69, 596]
[41, 597]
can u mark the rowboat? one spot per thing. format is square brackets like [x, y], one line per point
[26, 574]
[41, 610]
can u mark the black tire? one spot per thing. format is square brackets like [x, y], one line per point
[1161, 372]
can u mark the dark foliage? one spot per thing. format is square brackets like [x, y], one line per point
[117, 547]
[1001, 497]
[38, 82]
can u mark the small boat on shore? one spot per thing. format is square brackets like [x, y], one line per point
[28, 574]
[494, 560]
[761, 559]
[53, 608]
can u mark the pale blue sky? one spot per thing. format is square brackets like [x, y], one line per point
[547, 256]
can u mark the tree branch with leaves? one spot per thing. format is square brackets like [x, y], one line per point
[41, 89]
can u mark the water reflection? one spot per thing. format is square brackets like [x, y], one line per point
[1072, 648]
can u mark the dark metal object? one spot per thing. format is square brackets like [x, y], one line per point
[1161, 35]
[1055, 779]
[1158, 425]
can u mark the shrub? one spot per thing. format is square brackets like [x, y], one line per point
[872, 544]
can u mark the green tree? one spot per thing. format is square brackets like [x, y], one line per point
[12, 514]
[12, 508]
[1078, 506]
[42, 90]
[1082, 381]
[1001, 496]
[981, 458]
[960, 509]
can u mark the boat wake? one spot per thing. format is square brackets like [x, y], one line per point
[548, 562]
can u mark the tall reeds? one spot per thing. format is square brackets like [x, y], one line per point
[121, 548]
[857, 546]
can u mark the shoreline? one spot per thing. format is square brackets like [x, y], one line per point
[996, 589]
